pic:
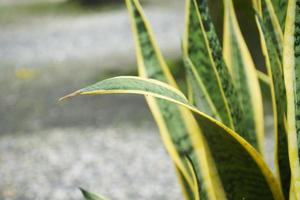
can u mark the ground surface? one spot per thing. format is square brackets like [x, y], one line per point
[120, 163]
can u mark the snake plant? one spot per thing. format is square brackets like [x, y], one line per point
[215, 133]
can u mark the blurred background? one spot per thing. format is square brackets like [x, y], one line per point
[106, 144]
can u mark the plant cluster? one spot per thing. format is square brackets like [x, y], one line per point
[215, 133]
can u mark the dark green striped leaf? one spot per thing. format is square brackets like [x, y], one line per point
[176, 125]
[243, 71]
[200, 95]
[273, 31]
[200, 68]
[199, 14]
[278, 92]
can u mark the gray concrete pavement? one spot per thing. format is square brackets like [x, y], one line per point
[120, 163]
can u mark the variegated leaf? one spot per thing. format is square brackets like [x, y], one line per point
[199, 14]
[291, 66]
[176, 124]
[280, 8]
[200, 68]
[278, 92]
[238, 166]
[243, 71]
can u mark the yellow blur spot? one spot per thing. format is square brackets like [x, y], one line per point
[25, 73]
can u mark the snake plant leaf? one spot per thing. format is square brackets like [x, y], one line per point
[199, 14]
[198, 92]
[291, 65]
[151, 64]
[240, 168]
[280, 8]
[269, 19]
[243, 72]
[178, 128]
[193, 170]
[91, 196]
[278, 94]
[187, 191]
[135, 85]
[263, 78]
[200, 68]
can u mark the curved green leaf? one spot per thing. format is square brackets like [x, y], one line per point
[135, 85]
[240, 168]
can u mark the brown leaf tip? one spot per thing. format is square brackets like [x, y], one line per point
[69, 96]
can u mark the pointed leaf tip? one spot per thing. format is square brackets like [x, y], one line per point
[90, 196]
[69, 95]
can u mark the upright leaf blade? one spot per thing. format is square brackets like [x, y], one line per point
[269, 19]
[195, 178]
[291, 66]
[174, 137]
[280, 8]
[243, 71]
[178, 127]
[200, 68]
[278, 93]
[237, 118]
[200, 95]
[187, 191]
